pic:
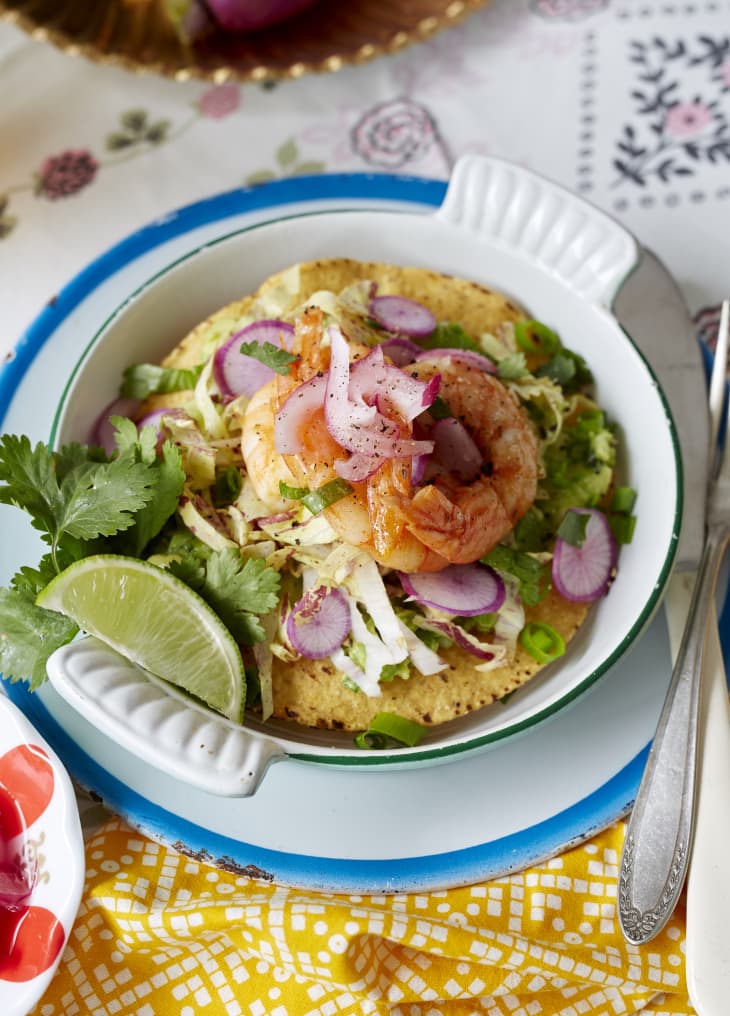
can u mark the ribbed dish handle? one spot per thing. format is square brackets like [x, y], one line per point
[530, 215]
[155, 723]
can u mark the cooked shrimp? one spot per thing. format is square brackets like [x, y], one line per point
[464, 521]
[264, 466]
[424, 528]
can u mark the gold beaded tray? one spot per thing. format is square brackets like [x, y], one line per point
[136, 35]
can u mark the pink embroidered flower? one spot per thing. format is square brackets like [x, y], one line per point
[394, 133]
[65, 174]
[687, 118]
[220, 101]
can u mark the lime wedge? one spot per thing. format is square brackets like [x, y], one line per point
[155, 620]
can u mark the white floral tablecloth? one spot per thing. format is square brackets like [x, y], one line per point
[627, 102]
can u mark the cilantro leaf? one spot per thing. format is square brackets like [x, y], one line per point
[100, 499]
[143, 379]
[28, 636]
[533, 575]
[278, 359]
[450, 335]
[237, 590]
[76, 494]
[141, 446]
[30, 581]
[169, 478]
[29, 479]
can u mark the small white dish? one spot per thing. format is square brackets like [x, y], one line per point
[37, 793]
[501, 225]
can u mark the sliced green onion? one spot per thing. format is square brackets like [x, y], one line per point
[317, 500]
[573, 528]
[542, 641]
[535, 337]
[388, 727]
[622, 526]
[623, 500]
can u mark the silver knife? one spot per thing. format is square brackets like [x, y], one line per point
[652, 309]
[655, 856]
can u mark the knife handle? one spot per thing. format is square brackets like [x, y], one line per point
[659, 834]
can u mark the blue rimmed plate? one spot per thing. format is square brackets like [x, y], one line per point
[471, 819]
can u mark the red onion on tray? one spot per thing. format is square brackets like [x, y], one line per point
[583, 574]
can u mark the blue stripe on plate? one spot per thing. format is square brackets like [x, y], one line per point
[332, 874]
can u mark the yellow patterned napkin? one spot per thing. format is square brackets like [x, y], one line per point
[159, 934]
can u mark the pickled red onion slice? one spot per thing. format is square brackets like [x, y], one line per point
[359, 426]
[295, 412]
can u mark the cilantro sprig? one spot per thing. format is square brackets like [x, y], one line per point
[73, 495]
[239, 591]
[82, 502]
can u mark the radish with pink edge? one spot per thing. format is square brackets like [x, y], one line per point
[402, 315]
[464, 590]
[235, 372]
[583, 572]
[319, 623]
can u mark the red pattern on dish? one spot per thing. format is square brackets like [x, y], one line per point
[31, 937]
[30, 941]
[26, 774]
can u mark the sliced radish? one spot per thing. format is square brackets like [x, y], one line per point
[319, 623]
[236, 373]
[400, 351]
[401, 315]
[466, 356]
[102, 433]
[455, 448]
[464, 590]
[583, 574]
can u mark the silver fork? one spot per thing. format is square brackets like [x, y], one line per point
[659, 834]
